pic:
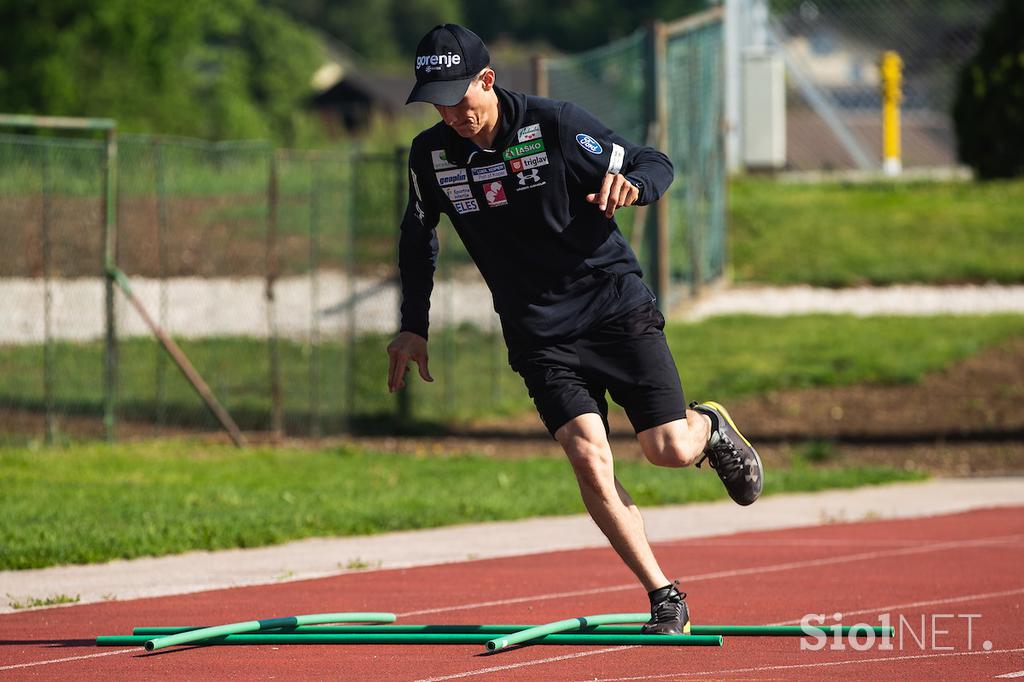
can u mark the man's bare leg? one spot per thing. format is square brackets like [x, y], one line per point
[677, 443]
[586, 444]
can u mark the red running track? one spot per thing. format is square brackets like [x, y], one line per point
[952, 585]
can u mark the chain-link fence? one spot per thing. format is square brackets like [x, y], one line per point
[832, 50]
[274, 271]
[662, 86]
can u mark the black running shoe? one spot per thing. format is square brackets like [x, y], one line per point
[731, 455]
[669, 615]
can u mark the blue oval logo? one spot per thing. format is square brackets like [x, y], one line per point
[589, 143]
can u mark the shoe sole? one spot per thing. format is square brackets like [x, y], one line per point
[725, 413]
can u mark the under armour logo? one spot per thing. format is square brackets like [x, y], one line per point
[526, 177]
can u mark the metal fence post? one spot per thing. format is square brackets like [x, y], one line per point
[109, 266]
[314, 295]
[403, 398]
[161, 246]
[657, 114]
[271, 264]
[350, 268]
[48, 376]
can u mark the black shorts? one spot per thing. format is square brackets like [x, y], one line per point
[627, 357]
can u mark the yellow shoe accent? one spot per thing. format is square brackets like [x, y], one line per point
[725, 413]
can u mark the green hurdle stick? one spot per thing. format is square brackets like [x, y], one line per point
[560, 626]
[268, 624]
[423, 638]
[730, 630]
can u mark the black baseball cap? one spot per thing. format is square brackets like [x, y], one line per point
[447, 60]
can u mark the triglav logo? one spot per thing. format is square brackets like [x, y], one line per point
[434, 62]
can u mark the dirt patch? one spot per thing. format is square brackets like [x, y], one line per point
[965, 420]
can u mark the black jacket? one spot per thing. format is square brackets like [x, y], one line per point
[554, 263]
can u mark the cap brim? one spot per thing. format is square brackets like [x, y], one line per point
[445, 93]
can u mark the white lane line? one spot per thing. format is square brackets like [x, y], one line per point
[916, 604]
[63, 660]
[1019, 673]
[513, 666]
[797, 666]
[771, 568]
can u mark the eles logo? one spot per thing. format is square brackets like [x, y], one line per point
[589, 143]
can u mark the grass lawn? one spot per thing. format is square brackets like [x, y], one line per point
[91, 503]
[726, 357]
[840, 234]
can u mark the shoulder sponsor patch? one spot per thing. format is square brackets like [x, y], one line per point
[451, 177]
[458, 192]
[488, 172]
[531, 132]
[589, 143]
[440, 160]
[524, 149]
[467, 206]
[495, 194]
[532, 161]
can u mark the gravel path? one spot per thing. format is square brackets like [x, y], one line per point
[218, 307]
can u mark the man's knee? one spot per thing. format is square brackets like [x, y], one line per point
[671, 445]
[672, 453]
[588, 451]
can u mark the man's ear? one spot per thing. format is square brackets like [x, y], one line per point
[487, 78]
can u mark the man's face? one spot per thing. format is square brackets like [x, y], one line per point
[468, 116]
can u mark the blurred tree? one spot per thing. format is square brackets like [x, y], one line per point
[989, 110]
[232, 68]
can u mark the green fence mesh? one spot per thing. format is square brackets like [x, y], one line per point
[274, 270]
[694, 93]
[618, 84]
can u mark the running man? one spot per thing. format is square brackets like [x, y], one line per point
[532, 186]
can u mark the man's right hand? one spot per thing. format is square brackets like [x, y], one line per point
[405, 347]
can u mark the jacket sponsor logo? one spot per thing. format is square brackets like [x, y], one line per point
[451, 177]
[489, 172]
[435, 62]
[529, 133]
[589, 143]
[532, 161]
[495, 194]
[440, 160]
[458, 192]
[415, 184]
[467, 206]
[524, 149]
[529, 179]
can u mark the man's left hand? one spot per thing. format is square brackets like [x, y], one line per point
[616, 192]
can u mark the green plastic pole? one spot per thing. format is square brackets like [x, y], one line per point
[730, 630]
[419, 638]
[528, 634]
[269, 624]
